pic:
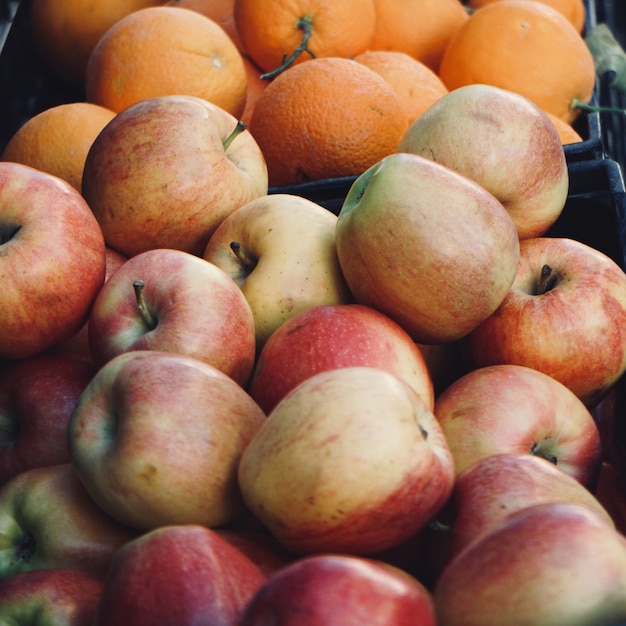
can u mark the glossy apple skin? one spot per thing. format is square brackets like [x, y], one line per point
[499, 485]
[156, 438]
[513, 408]
[37, 397]
[549, 564]
[573, 330]
[340, 590]
[52, 260]
[427, 246]
[290, 261]
[352, 460]
[198, 310]
[178, 576]
[505, 143]
[48, 521]
[62, 597]
[158, 175]
[326, 337]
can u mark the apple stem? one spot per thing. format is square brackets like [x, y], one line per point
[241, 254]
[536, 451]
[547, 280]
[239, 128]
[138, 285]
[305, 24]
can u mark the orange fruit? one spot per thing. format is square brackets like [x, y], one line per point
[573, 10]
[256, 86]
[57, 139]
[416, 84]
[421, 28]
[220, 11]
[567, 133]
[66, 31]
[527, 47]
[162, 51]
[326, 118]
[273, 30]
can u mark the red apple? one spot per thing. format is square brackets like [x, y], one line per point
[331, 336]
[52, 260]
[426, 245]
[37, 397]
[156, 439]
[550, 564]
[173, 301]
[59, 597]
[48, 521]
[564, 315]
[352, 460]
[513, 408]
[340, 590]
[164, 172]
[178, 575]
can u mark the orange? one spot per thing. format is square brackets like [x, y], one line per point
[573, 10]
[256, 86]
[567, 133]
[421, 28]
[162, 51]
[527, 47]
[415, 83]
[326, 118]
[58, 139]
[220, 11]
[277, 31]
[66, 31]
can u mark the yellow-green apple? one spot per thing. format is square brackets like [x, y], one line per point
[351, 460]
[513, 408]
[172, 301]
[330, 336]
[156, 439]
[565, 315]
[427, 246]
[37, 397]
[48, 521]
[504, 142]
[178, 575]
[499, 485]
[280, 250]
[549, 564]
[50, 597]
[340, 590]
[52, 260]
[164, 172]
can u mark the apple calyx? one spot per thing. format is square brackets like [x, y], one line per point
[147, 317]
[547, 280]
[239, 128]
[7, 232]
[244, 258]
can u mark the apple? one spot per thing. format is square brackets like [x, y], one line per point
[327, 337]
[513, 408]
[37, 397]
[427, 246]
[172, 301]
[156, 439]
[499, 485]
[164, 172]
[550, 564]
[280, 250]
[564, 315]
[52, 260]
[48, 521]
[59, 597]
[182, 575]
[352, 460]
[340, 590]
[504, 142]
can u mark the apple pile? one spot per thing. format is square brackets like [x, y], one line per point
[222, 405]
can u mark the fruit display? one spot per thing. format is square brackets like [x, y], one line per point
[310, 316]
